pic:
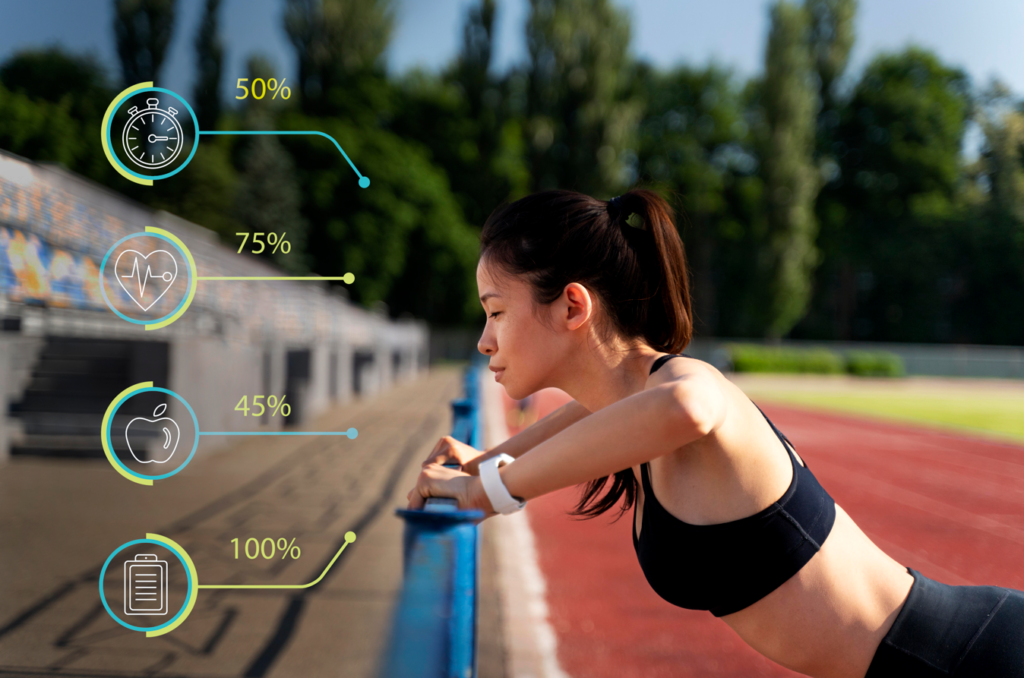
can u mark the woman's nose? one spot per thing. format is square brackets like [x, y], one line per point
[486, 345]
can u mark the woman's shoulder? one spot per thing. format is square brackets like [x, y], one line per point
[697, 387]
[675, 367]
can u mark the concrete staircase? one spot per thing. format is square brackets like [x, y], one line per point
[72, 383]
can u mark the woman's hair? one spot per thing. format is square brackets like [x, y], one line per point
[626, 251]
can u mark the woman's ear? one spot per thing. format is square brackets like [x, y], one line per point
[578, 306]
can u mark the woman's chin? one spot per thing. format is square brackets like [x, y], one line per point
[513, 392]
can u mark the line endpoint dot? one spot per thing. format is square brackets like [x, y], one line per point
[350, 537]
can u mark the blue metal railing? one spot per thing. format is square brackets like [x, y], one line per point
[433, 632]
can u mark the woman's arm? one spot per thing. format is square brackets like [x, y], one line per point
[524, 441]
[448, 449]
[633, 430]
[636, 429]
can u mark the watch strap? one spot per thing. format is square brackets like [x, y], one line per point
[500, 499]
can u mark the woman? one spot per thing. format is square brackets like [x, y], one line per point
[592, 297]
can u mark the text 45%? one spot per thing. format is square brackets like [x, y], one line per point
[274, 404]
[254, 548]
[277, 242]
[269, 85]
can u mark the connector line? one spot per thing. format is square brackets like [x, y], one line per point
[364, 181]
[350, 434]
[347, 278]
[349, 538]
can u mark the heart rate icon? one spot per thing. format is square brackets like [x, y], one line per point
[144, 278]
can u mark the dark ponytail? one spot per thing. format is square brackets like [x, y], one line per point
[626, 251]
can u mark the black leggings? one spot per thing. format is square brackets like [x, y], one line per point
[958, 631]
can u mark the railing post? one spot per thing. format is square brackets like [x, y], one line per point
[433, 633]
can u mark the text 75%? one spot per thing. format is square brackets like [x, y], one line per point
[274, 404]
[259, 548]
[277, 242]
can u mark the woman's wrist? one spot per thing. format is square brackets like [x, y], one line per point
[478, 496]
[472, 467]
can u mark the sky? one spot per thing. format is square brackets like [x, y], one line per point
[981, 36]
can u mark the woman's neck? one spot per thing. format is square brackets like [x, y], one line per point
[601, 373]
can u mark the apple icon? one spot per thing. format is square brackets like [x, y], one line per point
[170, 436]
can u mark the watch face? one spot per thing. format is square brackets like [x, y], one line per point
[152, 138]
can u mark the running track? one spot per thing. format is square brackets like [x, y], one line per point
[950, 506]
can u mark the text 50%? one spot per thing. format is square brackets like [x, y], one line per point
[268, 548]
[277, 242]
[274, 404]
[269, 85]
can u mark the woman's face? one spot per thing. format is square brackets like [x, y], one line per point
[523, 343]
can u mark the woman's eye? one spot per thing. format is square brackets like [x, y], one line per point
[494, 315]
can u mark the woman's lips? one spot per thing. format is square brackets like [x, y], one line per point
[498, 373]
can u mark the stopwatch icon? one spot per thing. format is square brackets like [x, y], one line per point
[152, 136]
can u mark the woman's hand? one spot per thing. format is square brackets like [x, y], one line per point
[437, 481]
[448, 450]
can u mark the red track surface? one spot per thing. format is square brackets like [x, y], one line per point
[949, 506]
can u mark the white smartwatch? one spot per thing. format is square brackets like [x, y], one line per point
[501, 500]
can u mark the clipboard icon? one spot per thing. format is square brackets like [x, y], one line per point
[145, 585]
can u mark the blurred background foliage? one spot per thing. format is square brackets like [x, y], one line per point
[814, 203]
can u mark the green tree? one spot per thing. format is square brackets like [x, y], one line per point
[791, 180]
[695, 147]
[580, 121]
[887, 244]
[53, 108]
[466, 121]
[831, 37]
[340, 46]
[209, 64]
[906, 119]
[143, 29]
[1003, 155]
[405, 237]
[988, 234]
[38, 130]
[474, 61]
[495, 170]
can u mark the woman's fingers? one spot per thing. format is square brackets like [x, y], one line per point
[433, 453]
[435, 481]
[443, 452]
[416, 501]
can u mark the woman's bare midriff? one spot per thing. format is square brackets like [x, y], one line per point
[828, 619]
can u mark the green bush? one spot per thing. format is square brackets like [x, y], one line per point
[874, 364]
[755, 358]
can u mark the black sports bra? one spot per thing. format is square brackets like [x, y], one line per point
[726, 567]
